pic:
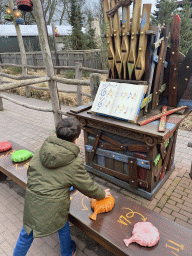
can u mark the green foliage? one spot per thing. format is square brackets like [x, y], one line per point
[90, 35]
[70, 74]
[37, 94]
[14, 70]
[86, 74]
[76, 21]
[164, 14]
[185, 28]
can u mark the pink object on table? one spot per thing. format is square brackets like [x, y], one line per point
[5, 146]
[144, 233]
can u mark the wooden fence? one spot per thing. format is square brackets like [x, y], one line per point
[88, 58]
[29, 80]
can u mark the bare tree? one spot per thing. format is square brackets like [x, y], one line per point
[3, 4]
[55, 11]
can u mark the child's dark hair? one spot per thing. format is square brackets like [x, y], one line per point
[68, 129]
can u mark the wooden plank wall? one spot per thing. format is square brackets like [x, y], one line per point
[89, 58]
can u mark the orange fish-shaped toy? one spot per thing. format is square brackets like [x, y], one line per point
[100, 206]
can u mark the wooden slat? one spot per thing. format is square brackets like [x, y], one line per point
[118, 166]
[117, 40]
[133, 178]
[139, 148]
[166, 160]
[174, 61]
[172, 151]
[163, 150]
[105, 138]
[113, 173]
[120, 157]
[140, 63]
[134, 29]
[160, 69]
[162, 123]
[185, 73]
[148, 57]
[125, 39]
[94, 148]
[152, 69]
[108, 31]
[109, 163]
[127, 81]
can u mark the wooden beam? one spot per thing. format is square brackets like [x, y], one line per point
[94, 70]
[56, 67]
[43, 38]
[18, 77]
[71, 81]
[27, 105]
[24, 83]
[78, 75]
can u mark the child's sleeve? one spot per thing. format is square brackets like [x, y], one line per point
[83, 182]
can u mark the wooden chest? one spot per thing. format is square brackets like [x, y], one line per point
[136, 158]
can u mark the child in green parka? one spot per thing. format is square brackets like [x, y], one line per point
[52, 171]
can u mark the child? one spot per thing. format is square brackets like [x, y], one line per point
[54, 168]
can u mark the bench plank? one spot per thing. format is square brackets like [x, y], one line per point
[15, 171]
[111, 228]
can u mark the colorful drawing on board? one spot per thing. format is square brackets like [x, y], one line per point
[119, 100]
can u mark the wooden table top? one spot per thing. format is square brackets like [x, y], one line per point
[150, 129]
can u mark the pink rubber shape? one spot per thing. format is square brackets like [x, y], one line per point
[145, 234]
[5, 146]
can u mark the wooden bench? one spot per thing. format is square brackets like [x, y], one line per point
[110, 229]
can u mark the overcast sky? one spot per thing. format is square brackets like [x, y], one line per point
[153, 2]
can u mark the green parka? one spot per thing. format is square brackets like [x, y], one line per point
[54, 168]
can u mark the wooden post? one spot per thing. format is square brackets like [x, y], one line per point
[78, 75]
[95, 80]
[22, 48]
[1, 100]
[55, 47]
[84, 59]
[43, 38]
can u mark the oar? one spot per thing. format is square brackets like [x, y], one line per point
[160, 68]
[134, 30]
[152, 67]
[125, 39]
[108, 32]
[117, 39]
[140, 63]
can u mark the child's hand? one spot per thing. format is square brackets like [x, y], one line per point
[107, 193]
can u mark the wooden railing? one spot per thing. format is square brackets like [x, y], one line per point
[89, 58]
[30, 80]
